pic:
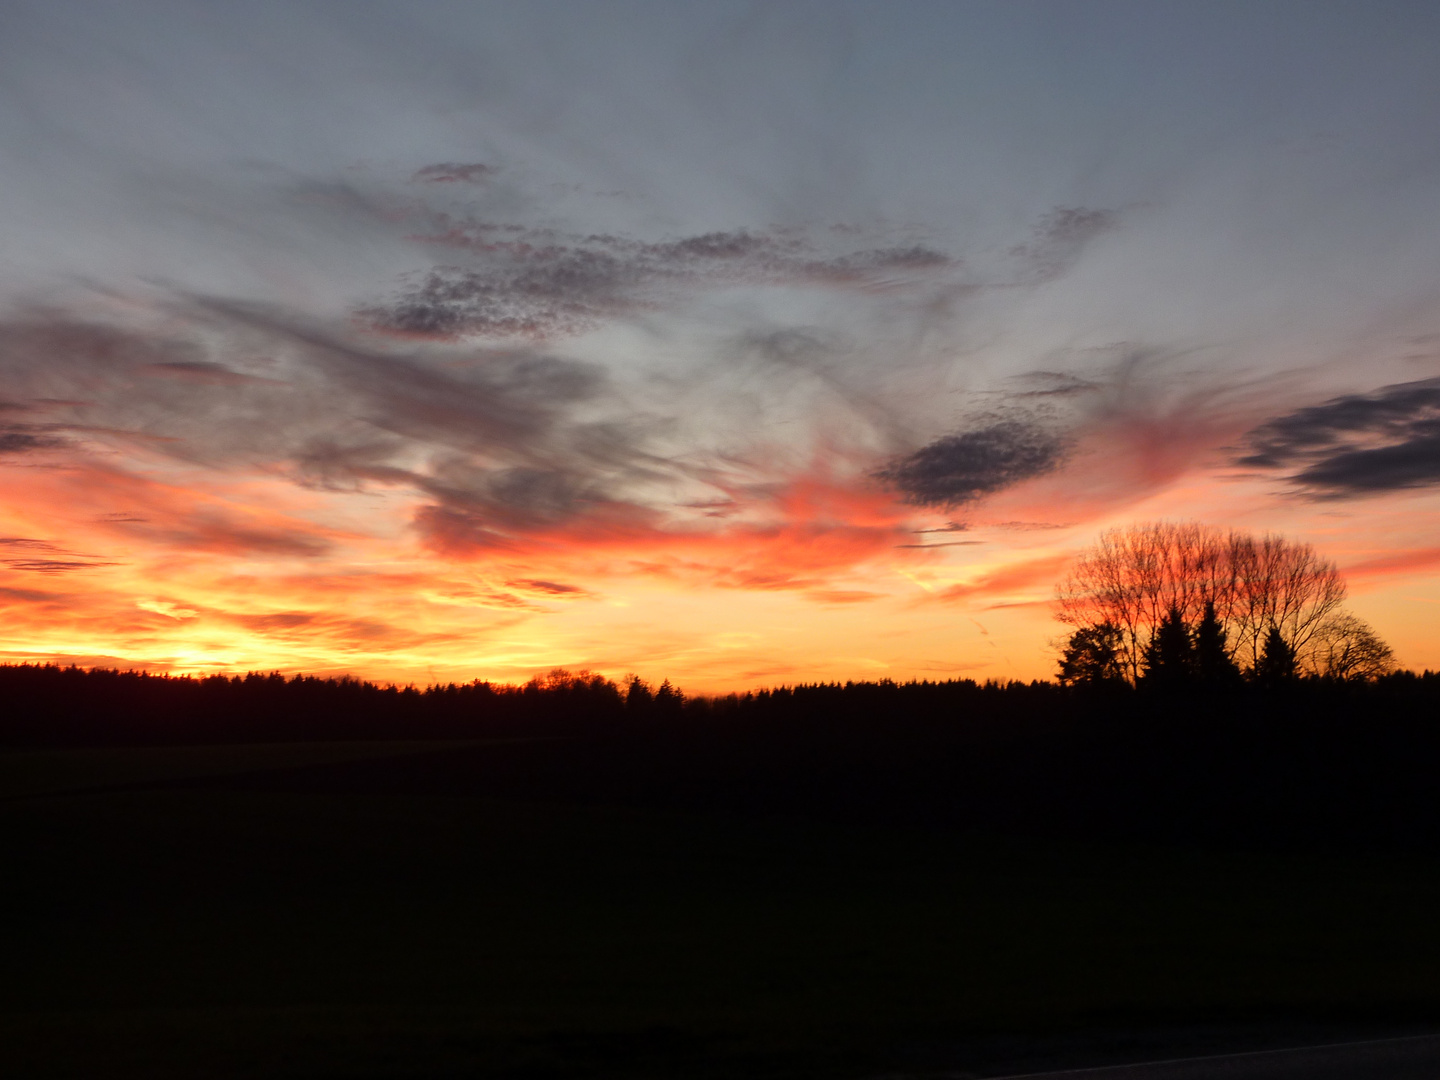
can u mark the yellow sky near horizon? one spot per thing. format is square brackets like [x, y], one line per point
[178, 568]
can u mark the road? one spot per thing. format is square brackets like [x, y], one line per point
[1413, 1058]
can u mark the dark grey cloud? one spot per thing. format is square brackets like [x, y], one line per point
[315, 400]
[477, 508]
[959, 468]
[502, 441]
[20, 441]
[450, 172]
[549, 588]
[1042, 384]
[1073, 225]
[512, 280]
[1357, 444]
[535, 283]
[211, 531]
[30, 596]
[51, 566]
[43, 557]
[1058, 239]
[556, 293]
[516, 498]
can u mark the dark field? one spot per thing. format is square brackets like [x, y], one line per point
[428, 910]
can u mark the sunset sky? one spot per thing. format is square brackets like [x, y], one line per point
[739, 344]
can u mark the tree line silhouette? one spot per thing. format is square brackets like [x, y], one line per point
[1315, 761]
[1209, 693]
[53, 705]
[50, 705]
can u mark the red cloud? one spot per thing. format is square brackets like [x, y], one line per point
[798, 535]
[1402, 562]
[1009, 579]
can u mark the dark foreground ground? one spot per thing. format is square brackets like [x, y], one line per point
[472, 909]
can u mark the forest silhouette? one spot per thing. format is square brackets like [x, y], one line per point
[1212, 689]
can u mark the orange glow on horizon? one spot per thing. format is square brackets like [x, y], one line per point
[172, 567]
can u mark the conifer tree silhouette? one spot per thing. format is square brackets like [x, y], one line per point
[1215, 669]
[668, 700]
[1170, 655]
[638, 696]
[1277, 665]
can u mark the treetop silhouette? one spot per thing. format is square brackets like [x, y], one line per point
[1186, 602]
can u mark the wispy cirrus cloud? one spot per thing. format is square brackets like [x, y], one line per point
[496, 453]
[43, 557]
[1020, 577]
[1396, 564]
[483, 306]
[520, 282]
[497, 436]
[225, 533]
[1058, 240]
[200, 372]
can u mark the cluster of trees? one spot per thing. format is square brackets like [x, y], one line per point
[1176, 605]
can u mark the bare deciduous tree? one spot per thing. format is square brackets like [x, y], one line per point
[1278, 583]
[1133, 578]
[1345, 647]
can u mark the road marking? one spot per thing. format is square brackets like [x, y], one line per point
[1121, 1071]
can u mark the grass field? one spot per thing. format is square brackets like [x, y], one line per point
[288, 910]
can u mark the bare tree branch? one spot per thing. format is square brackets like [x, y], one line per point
[1133, 577]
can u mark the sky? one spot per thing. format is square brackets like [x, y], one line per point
[733, 343]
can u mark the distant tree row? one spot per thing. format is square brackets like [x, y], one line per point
[46, 704]
[1173, 605]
